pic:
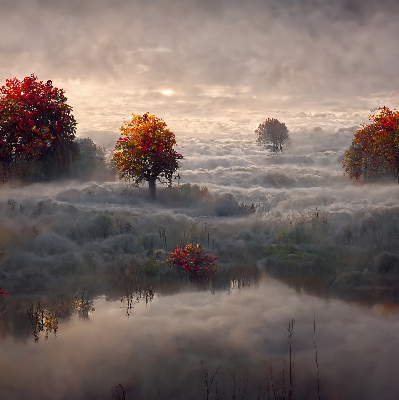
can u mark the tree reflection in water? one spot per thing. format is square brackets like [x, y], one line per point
[82, 305]
[241, 277]
[45, 318]
[135, 296]
[131, 275]
[42, 320]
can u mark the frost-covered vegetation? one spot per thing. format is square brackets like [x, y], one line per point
[293, 216]
[77, 235]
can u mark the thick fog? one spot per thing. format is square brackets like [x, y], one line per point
[213, 71]
[205, 65]
[233, 197]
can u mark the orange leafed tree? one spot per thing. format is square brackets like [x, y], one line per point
[145, 152]
[375, 147]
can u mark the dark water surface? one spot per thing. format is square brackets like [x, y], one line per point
[156, 353]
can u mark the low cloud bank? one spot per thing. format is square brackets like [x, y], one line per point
[234, 202]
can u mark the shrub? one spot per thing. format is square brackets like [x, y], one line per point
[193, 259]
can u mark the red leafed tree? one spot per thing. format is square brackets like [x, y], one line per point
[145, 152]
[375, 147]
[36, 127]
[273, 132]
[194, 260]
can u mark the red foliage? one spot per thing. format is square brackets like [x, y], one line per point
[3, 293]
[34, 119]
[194, 260]
[375, 147]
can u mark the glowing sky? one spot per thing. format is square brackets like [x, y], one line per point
[208, 66]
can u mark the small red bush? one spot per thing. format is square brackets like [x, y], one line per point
[193, 260]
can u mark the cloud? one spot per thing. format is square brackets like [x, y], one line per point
[216, 56]
[199, 327]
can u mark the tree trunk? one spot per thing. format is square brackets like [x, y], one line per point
[152, 187]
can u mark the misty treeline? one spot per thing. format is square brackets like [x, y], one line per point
[84, 160]
[38, 135]
[91, 162]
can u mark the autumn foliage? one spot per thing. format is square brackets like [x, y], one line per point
[375, 147]
[36, 125]
[273, 132]
[145, 151]
[194, 260]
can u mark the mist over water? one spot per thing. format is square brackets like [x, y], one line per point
[234, 198]
[158, 350]
[293, 236]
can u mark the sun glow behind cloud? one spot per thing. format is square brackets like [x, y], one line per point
[234, 62]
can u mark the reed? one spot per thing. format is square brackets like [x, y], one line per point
[315, 347]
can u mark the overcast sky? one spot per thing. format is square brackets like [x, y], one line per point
[208, 66]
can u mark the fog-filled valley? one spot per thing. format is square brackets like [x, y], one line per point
[264, 270]
[239, 200]
[292, 216]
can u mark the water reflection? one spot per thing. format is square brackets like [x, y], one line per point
[134, 283]
[44, 315]
[82, 305]
[42, 320]
[135, 296]
[118, 393]
[242, 277]
[247, 332]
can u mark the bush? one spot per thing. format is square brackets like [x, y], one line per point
[193, 259]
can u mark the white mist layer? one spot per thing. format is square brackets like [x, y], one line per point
[49, 230]
[160, 347]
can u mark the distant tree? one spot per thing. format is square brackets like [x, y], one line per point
[375, 147]
[90, 160]
[194, 260]
[272, 132]
[37, 128]
[145, 152]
